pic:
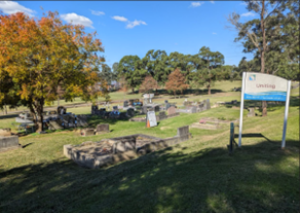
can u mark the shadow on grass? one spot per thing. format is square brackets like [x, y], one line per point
[209, 180]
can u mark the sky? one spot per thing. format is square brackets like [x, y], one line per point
[135, 27]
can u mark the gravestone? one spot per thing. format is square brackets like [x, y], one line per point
[102, 128]
[166, 101]
[55, 125]
[193, 109]
[171, 110]
[115, 107]
[144, 109]
[130, 112]
[207, 104]
[183, 133]
[251, 112]
[81, 121]
[156, 108]
[168, 105]
[94, 110]
[9, 142]
[162, 115]
[5, 132]
[125, 104]
[234, 102]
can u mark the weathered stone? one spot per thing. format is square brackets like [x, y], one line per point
[193, 109]
[207, 104]
[171, 110]
[102, 128]
[183, 133]
[55, 125]
[121, 147]
[251, 112]
[162, 115]
[5, 132]
[87, 132]
[9, 142]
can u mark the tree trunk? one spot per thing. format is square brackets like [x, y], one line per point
[34, 116]
[262, 59]
[208, 87]
[58, 102]
[40, 110]
[132, 90]
[5, 109]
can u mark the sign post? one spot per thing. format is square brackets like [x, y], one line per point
[264, 87]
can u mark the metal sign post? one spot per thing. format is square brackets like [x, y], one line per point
[242, 109]
[286, 111]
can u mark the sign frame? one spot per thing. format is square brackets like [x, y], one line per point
[287, 101]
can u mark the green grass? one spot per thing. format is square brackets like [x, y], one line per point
[197, 175]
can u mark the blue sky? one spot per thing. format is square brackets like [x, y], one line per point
[133, 28]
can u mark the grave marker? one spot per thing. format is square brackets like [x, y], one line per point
[151, 119]
[171, 110]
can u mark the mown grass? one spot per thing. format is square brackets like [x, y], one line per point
[197, 175]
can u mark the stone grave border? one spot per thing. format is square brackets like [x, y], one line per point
[122, 149]
[159, 117]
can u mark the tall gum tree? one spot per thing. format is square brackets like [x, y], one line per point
[41, 54]
[265, 35]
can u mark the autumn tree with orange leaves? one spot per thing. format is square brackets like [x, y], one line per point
[148, 84]
[39, 55]
[176, 82]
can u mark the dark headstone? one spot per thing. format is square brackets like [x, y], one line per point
[130, 112]
[125, 104]
[166, 101]
[171, 110]
[156, 108]
[94, 110]
[234, 102]
[115, 107]
[102, 128]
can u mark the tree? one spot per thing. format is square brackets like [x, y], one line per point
[130, 67]
[271, 36]
[176, 82]
[39, 55]
[210, 70]
[148, 84]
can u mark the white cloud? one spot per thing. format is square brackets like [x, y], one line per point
[120, 18]
[248, 14]
[132, 24]
[244, 3]
[10, 7]
[212, 2]
[196, 4]
[214, 33]
[97, 13]
[73, 18]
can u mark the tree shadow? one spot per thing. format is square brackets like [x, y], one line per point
[208, 180]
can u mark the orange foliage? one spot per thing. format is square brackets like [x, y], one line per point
[176, 82]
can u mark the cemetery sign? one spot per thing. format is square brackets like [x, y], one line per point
[264, 87]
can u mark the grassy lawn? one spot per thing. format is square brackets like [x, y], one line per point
[197, 175]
